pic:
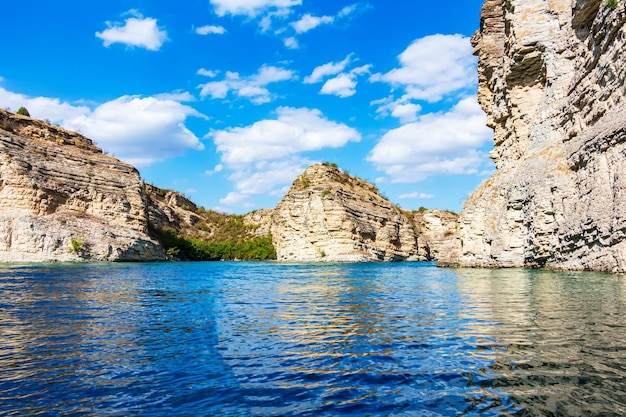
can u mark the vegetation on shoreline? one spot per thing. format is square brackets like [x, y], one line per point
[186, 248]
[191, 233]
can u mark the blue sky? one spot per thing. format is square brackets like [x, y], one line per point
[227, 101]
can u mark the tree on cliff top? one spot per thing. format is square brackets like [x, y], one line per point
[23, 111]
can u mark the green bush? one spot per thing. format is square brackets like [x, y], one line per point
[193, 249]
[612, 4]
[23, 111]
[76, 245]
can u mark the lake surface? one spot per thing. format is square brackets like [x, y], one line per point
[269, 339]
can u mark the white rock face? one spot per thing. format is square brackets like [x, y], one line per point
[437, 234]
[61, 199]
[551, 79]
[330, 216]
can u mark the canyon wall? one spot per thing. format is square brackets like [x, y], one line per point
[62, 199]
[552, 82]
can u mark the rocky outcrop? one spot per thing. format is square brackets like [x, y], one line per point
[437, 234]
[62, 199]
[330, 216]
[259, 222]
[551, 80]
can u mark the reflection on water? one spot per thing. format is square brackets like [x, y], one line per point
[561, 340]
[272, 339]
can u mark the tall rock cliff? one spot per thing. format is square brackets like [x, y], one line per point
[552, 81]
[62, 199]
[330, 216]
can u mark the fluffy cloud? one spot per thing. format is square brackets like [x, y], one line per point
[210, 30]
[253, 87]
[250, 8]
[328, 69]
[137, 130]
[265, 157]
[343, 84]
[52, 109]
[207, 73]
[177, 95]
[291, 43]
[294, 131]
[437, 143]
[135, 31]
[432, 67]
[402, 109]
[263, 178]
[308, 22]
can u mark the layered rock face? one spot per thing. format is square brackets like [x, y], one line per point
[437, 234]
[552, 81]
[330, 216]
[62, 199]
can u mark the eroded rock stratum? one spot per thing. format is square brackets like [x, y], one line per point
[62, 199]
[552, 81]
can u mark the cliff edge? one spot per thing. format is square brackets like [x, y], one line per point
[551, 80]
[62, 199]
[331, 216]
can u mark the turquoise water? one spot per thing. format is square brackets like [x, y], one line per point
[268, 339]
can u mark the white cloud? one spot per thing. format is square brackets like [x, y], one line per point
[328, 69]
[253, 87]
[402, 109]
[308, 22]
[265, 157]
[218, 168]
[432, 67]
[348, 10]
[436, 143]
[234, 199]
[138, 130]
[177, 95]
[52, 109]
[268, 19]
[210, 30]
[406, 112]
[294, 131]
[342, 85]
[135, 31]
[416, 195]
[207, 73]
[250, 8]
[291, 42]
[263, 178]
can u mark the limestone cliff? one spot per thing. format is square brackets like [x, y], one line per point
[62, 199]
[330, 216]
[552, 82]
[437, 234]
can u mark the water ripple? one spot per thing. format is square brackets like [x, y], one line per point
[241, 339]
